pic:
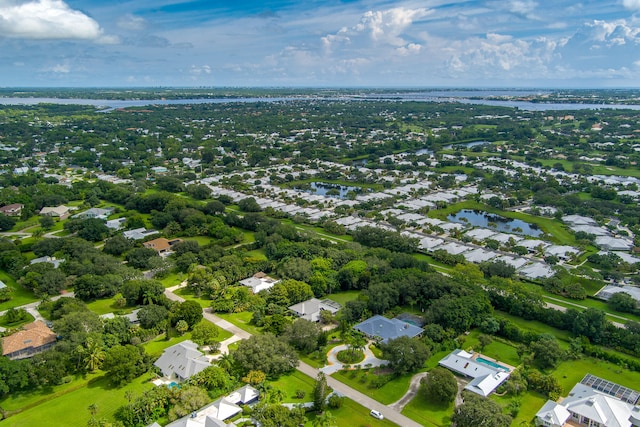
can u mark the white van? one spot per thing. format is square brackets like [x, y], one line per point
[376, 414]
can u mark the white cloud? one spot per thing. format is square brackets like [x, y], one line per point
[47, 19]
[410, 49]
[387, 25]
[522, 7]
[131, 22]
[60, 68]
[198, 70]
[631, 4]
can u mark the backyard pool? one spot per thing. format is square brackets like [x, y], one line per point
[491, 363]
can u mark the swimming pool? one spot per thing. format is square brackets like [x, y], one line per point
[173, 384]
[492, 364]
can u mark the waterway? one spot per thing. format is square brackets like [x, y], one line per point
[463, 97]
[499, 223]
[322, 188]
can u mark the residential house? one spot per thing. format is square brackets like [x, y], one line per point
[48, 259]
[116, 224]
[259, 282]
[139, 233]
[214, 414]
[182, 361]
[14, 209]
[101, 213]
[593, 402]
[379, 327]
[486, 375]
[161, 245]
[61, 212]
[2, 285]
[310, 309]
[34, 338]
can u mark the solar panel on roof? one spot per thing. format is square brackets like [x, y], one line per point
[612, 389]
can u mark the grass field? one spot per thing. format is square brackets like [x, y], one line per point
[28, 319]
[293, 382]
[352, 414]
[20, 296]
[70, 407]
[431, 414]
[241, 320]
[388, 393]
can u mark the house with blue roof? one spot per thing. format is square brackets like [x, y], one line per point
[379, 327]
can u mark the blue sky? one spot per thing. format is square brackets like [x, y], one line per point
[503, 43]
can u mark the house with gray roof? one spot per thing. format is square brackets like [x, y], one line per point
[182, 361]
[101, 213]
[311, 308]
[485, 374]
[592, 402]
[379, 327]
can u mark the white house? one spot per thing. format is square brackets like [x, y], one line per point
[182, 361]
[259, 282]
[486, 375]
[593, 402]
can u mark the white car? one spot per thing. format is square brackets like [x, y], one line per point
[376, 414]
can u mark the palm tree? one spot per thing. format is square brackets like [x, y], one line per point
[94, 356]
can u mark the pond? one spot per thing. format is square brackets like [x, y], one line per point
[329, 190]
[495, 222]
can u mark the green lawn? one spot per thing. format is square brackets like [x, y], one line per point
[344, 297]
[188, 294]
[28, 319]
[173, 279]
[352, 414]
[530, 404]
[108, 305]
[289, 384]
[241, 320]
[20, 296]
[570, 372]
[533, 325]
[388, 393]
[499, 349]
[70, 407]
[428, 413]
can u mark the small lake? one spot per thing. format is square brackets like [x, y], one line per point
[330, 190]
[466, 144]
[507, 225]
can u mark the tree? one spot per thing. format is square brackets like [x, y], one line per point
[249, 205]
[320, 393]
[117, 245]
[141, 257]
[189, 399]
[182, 327]
[46, 222]
[278, 416]
[439, 385]
[254, 378]
[153, 316]
[95, 354]
[484, 340]
[267, 354]
[189, 311]
[124, 363]
[6, 222]
[478, 411]
[622, 301]
[546, 351]
[205, 333]
[303, 335]
[405, 354]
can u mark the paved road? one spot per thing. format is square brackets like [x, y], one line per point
[32, 308]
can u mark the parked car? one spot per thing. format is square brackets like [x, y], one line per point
[376, 414]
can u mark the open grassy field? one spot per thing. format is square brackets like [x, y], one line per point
[69, 405]
[427, 413]
[344, 297]
[241, 320]
[20, 296]
[293, 382]
[388, 393]
[352, 414]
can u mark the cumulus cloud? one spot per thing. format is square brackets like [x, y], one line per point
[47, 19]
[388, 25]
[631, 4]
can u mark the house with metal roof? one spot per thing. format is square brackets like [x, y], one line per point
[593, 402]
[486, 375]
[311, 308]
[379, 327]
[182, 361]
